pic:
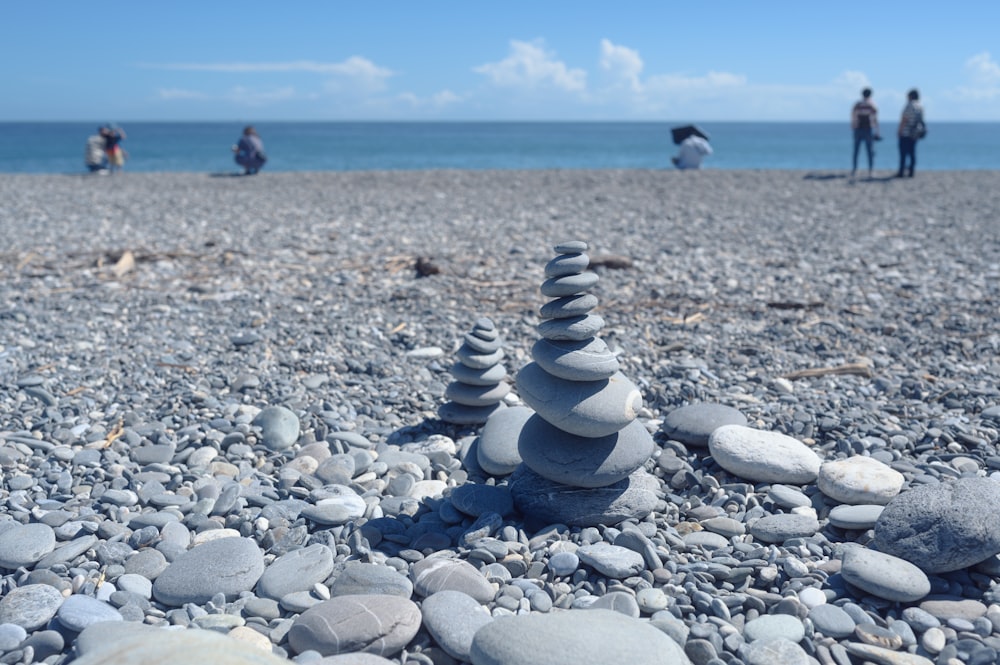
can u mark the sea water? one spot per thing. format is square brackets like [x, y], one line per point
[58, 147]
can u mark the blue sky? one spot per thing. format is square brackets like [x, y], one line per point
[469, 60]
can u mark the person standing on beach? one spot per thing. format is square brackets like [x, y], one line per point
[864, 122]
[113, 137]
[250, 151]
[94, 157]
[911, 128]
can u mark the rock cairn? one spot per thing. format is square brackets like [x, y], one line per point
[479, 386]
[583, 449]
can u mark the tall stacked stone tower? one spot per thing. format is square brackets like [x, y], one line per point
[479, 384]
[583, 450]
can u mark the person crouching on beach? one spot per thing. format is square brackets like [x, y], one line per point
[113, 137]
[864, 122]
[250, 151]
[693, 150]
[94, 157]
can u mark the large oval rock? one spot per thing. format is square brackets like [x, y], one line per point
[694, 423]
[884, 575]
[30, 606]
[763, 456]
[544, 501]
[942, 527]
[177, 647]
[376, 624]
[439, 573]
[584, 408]
[228, 565]
[453, 619]
[497, 451]
[859, 480]
[279, 427]
[573, 638]
[24, 544]
[297, 570]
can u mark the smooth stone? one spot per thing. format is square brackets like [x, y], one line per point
[588, 360]
[567, 264]
[77, 612]
[453, 618]
[617, 601]
[67, 551]
[563, 564]
[497, 452]
[25, 544]
[572, 329]
[30, 606]
[573, 638]
[949, 609]
[583, 461]
[859, 480]
[884, 575]
[788, 497]
[474, 499]
[343, 506]
[11, 635]
[471, 358]
[356, 658]
[569, 285]
[279, 427]
[175, 647]
[550, 502]
[724, 526]
[707, 540]
[651, 600]
[297, 570]
[611, 560]
[860, 517]
[473, 395]
[832, 621]
[378, 624]
[934, 640]
[778, 651]
[585, 408]
[774, 626]
[763, 456]
[228, 566]
[136, 584]
[571, 247]
[462, 414]
[944, 526]
[782, 526]
[487, 376]
[812, 597]
[885, 656]
[694, 423]
[568, 306]
[480, 345]
[358, 578]
[439, 573]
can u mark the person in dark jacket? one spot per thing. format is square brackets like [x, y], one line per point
[911, 128]
[864, 123]
[250, 151]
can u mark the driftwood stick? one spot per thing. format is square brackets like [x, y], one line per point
[859, 369]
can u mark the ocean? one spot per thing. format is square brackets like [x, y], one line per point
[57, 147]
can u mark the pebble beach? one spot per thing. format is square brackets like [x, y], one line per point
[220, 435]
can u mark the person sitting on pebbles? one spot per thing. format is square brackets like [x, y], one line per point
[250, 151]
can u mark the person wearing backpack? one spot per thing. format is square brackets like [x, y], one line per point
[864, 122]
[911, 129]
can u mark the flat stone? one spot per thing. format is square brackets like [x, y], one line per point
[480, 345]
[617, 601]
[774, 626]
[462, 414]
[497, 452]
[341, 505]
[475, 360]
[582, 461]
[378, 624]
[30, 606]
[562, 308]
[587, 360]
[859, 517]
[780, 527]
[884, 575]
[549, 502]
[943, 526]
[475, 500]
[573, 329]
[11, 635]
[694, 423]
[571, 247]
[569, 285]
[24, 544]
[858, 480]
[475, 395]
[488, 376]
[788, 497]
[439, 573]
[228, 566]
[773, 652]
[77, 612]
[175, 647]
[763, 456]
[832, 621]
[567, 264]
[967, 609]
[585, 408]
[358, 578]
[885, 656]
[611, 560]
[297, 570]
[279, 427]
[453, 618]
[573, 638]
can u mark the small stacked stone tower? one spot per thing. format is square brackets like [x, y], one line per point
[584, 444]
[479, 386]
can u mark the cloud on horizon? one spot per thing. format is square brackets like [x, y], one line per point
[528, 66]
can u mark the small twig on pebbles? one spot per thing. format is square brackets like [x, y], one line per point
[858, 369]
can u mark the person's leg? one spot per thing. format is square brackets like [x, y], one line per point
[902, 157]
[913, 156]
[869, 146]
[857, 146]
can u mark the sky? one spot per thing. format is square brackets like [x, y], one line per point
[579, 60]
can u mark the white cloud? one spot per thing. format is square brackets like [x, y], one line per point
[238, 94]
[623, 63]
[983, 68]
[528, 65]
[355, 72]
[438, 100]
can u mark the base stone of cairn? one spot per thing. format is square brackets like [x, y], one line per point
[479, 384]
[583, 450]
